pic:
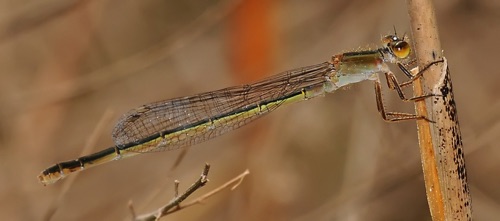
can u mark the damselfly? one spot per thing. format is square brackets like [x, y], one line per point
[186, 121]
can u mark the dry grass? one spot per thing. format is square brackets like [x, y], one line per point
[332, 158]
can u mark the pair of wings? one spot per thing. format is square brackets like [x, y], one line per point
[163, 117]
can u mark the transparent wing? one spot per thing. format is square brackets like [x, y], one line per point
[162, 118]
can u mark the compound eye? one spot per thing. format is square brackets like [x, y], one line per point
[401, 49]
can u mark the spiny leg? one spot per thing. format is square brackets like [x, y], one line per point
[393, 116]
[393, 84]
[417, 75]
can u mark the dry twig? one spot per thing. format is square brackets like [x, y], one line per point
[174, 204]
[440, 143]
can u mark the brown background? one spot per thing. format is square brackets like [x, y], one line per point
[65, 64]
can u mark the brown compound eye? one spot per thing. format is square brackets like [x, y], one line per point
[401, 49]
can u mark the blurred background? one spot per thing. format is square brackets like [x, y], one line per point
[71, 68]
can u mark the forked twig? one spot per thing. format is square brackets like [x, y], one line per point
[236, 181]
[174, 204]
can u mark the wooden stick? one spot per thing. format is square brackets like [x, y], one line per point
[441, 149]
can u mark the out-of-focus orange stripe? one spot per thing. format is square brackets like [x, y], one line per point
[251, 38]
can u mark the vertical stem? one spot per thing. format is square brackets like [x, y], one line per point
[440, 142]
[427, 154]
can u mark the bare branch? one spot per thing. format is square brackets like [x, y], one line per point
[238, 179]
[174, 204]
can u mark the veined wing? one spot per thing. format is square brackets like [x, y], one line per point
[190, 120]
